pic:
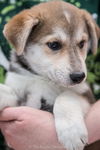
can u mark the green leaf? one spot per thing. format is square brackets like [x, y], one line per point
[97, 68]
[90, 62]
[7, 9]
[91, 77]
[2, 78]
[78, 4]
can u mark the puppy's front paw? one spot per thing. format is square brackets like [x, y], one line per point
[72, 135]
[7, 97]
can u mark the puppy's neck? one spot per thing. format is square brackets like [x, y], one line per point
[20, 65]
[25, 65]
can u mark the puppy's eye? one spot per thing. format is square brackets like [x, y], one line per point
[54, 45]
[81, 44]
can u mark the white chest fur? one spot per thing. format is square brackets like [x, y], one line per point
[35, 86]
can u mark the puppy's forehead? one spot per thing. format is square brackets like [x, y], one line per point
[58, 17]
[58, 10]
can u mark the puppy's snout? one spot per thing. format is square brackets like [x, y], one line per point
[77, 77]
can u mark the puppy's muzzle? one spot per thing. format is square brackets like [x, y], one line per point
[77, 77]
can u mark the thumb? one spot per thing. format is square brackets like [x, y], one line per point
[9, 114]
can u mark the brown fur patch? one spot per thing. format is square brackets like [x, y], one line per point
[41, 19]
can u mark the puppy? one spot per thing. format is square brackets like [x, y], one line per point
[47, 68]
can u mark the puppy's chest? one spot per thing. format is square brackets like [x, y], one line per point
[32, 90]
[41, 94]
[48, 97]
[46, 92]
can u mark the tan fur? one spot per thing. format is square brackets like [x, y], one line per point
[19, 28]
[47, 16]
[93, 29]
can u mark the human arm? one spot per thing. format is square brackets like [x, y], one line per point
[30, 129]
[26, 128]
[93, 122]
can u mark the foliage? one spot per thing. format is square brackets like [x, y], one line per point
[93, 65]
[2, 75]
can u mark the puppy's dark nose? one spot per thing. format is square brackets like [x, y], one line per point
[77, 77]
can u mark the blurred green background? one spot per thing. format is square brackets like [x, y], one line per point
[9, 8]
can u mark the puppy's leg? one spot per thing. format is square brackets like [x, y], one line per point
[69, 111]
[7, 97]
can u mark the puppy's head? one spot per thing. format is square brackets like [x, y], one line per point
[54, 37]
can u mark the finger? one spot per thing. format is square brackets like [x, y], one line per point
[7, 129]
[15, 113]
[9, 114]
[4, 129]
[6, 132]
[5, 125]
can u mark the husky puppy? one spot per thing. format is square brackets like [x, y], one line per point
[47, 69]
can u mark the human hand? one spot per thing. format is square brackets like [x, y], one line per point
[93, 122]
[26, 128]
[29, 129]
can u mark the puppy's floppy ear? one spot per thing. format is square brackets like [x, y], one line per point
[93, 30]
[18, 29]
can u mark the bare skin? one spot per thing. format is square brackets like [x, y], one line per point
[93, 122]
[29, 129]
